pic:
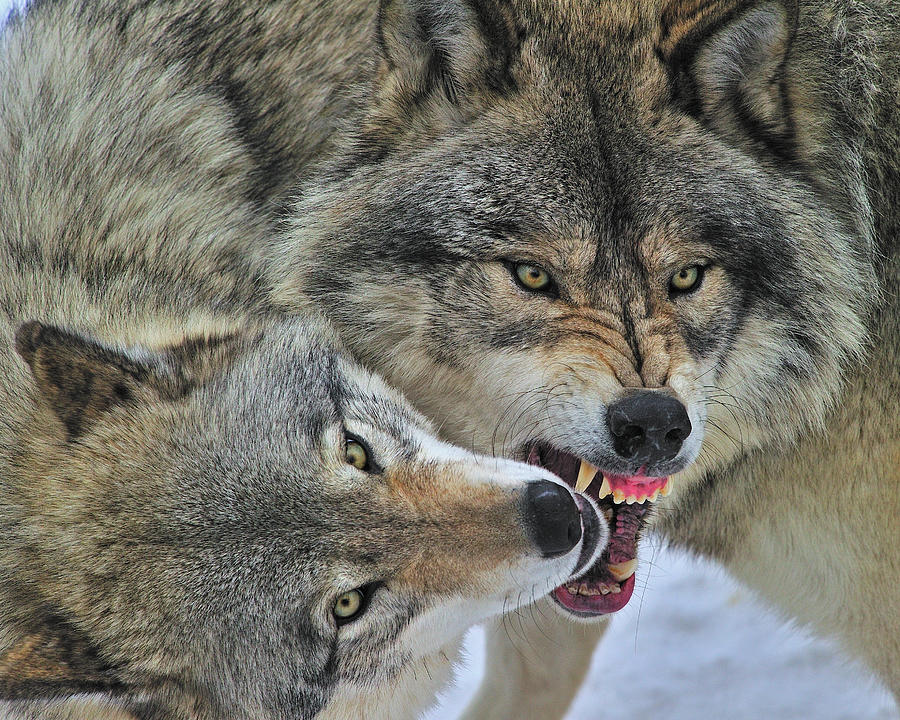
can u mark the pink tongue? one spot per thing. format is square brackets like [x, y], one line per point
[595, 604]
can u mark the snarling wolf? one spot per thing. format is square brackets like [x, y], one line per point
[207, 512]
[652, 246]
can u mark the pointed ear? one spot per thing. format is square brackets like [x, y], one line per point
[55, 661]
[727, 60]
[451, 47]
[81, 379]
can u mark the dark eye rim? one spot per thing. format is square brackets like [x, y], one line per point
[701, 276]
[371, 466]
[552, 290]
[368, 592]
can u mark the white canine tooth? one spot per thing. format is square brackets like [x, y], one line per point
[618, 497]
[623, 570]
[666, 489]
[654, 495]
[586, 475]
[604, 489]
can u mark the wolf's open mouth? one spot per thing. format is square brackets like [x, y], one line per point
[607, 586]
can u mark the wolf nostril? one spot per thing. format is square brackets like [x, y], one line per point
[551, 518]
[631, 438]
[648, 426]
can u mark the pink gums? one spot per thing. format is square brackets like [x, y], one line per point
[639, 485]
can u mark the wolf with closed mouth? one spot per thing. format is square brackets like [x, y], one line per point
[651, 246]
[206, 512]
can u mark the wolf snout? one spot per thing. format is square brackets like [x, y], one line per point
[552, 518]
[648, 427]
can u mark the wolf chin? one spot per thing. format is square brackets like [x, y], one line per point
[208, 512]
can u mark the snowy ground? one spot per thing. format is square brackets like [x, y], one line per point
[692, 644]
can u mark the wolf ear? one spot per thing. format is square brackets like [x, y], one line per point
[53, 662]
[446, 46]
[727, 62]
[81, 379]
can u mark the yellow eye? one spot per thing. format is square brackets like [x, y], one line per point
[348, 605]
[357, 455]
[532, 277]
[687, 279]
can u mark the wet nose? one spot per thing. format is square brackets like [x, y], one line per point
[552, 518]
[648, 427]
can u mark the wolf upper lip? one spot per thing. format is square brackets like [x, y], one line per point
[590, 536]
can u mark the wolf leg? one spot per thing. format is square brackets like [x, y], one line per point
[536, 661]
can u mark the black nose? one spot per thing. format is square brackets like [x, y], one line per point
[552, 518]
[648, 427]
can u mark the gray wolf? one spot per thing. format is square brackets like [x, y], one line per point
[207, 512]
[651, 246]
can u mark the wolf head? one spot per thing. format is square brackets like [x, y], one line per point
[249, 526]
[598, 236]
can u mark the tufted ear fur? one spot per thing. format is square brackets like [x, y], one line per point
[451, 47]
[727, 60]
[82, 379]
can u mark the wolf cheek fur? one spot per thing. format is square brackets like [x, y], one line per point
[615, 147]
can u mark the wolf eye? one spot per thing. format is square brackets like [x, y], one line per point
[351, 605]
[687, 279]
[532, 278]
[356, 454]
[348, 606]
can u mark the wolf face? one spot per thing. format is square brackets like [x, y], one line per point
[578, 235]
[251, 526]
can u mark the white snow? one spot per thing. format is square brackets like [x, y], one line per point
[692, 644]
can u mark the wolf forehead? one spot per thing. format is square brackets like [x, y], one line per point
[295, 376]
